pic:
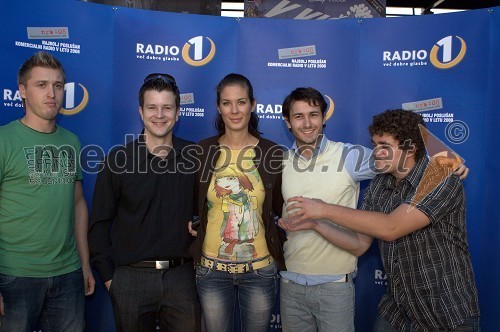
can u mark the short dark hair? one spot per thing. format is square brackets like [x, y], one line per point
[160, 82]
[403, 126]
[237, 79]
[310, 95]
[39, 59]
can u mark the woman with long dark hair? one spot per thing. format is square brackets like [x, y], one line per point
[238, 246]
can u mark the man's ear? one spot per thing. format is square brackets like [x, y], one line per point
[140, 113]
[22, 91]
[287, 121]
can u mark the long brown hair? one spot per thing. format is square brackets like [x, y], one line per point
[237, 79]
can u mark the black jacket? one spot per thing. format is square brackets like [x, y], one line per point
[269, 161]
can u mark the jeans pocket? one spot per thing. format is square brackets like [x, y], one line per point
[202, 271]
[267, 271]
[6, 281]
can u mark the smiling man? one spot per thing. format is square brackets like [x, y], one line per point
[143, 201]
[317, 290]
[422, 237]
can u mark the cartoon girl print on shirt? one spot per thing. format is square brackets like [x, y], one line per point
[240, 223]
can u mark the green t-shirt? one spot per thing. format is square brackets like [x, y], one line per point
[37, 180]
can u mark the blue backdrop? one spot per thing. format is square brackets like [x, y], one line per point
[444, 66]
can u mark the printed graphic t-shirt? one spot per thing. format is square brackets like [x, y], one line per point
[235, 196]
[37, 184]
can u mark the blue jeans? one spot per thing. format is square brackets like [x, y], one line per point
[326, 307]
[219, 292]
[141, 296]
[381, 325]
[55, 303]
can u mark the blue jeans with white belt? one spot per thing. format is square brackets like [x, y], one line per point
[220, 291]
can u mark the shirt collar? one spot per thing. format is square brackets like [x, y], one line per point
[142, 153]
[417, 172]
[320, 148]
[414, 176]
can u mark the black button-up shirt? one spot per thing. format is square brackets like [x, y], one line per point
[141, 207]
[429, 272]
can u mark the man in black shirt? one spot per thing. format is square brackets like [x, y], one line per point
[143, 200]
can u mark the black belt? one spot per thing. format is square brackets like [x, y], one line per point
[161, 265]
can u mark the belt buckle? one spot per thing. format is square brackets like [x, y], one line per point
[229, 266]
[162, 265]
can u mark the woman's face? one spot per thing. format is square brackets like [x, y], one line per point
[235, 108]
[229, 183]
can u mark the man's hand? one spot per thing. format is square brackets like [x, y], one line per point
[88, 280]
[108, 284]
[191, 230]
[462, 172]
[302, 208]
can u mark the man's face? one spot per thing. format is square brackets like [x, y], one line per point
[159, 113]
[43, 93]
[306, 123]
[389, 157]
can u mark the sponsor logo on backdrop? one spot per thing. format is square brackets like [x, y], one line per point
[292, 58]
[275, 112]
[188, 99]
[424, 105]
[49, 45]
[427, 105]
[75, 101]
[72, 97]
[12, 98]
[296, 52]
[269, 111]
[275, 322]
[456, 131]
[197, 51]
[380, 278]
[53, 46]
[446, 53]
[48, 32]
[196, 57]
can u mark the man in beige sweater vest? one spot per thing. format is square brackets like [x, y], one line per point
[416, 208]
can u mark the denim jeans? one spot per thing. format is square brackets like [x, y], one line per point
[141, 296]
[220, 292]
[55, 303]
[471, 324]
[326, 307]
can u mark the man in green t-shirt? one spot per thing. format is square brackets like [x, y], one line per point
[44, 259]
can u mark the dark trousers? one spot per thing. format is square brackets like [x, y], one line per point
[141, 296]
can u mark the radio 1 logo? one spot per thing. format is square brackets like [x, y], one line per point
[197, 51]
[445, 54]
[380, 278]
[76, 98]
